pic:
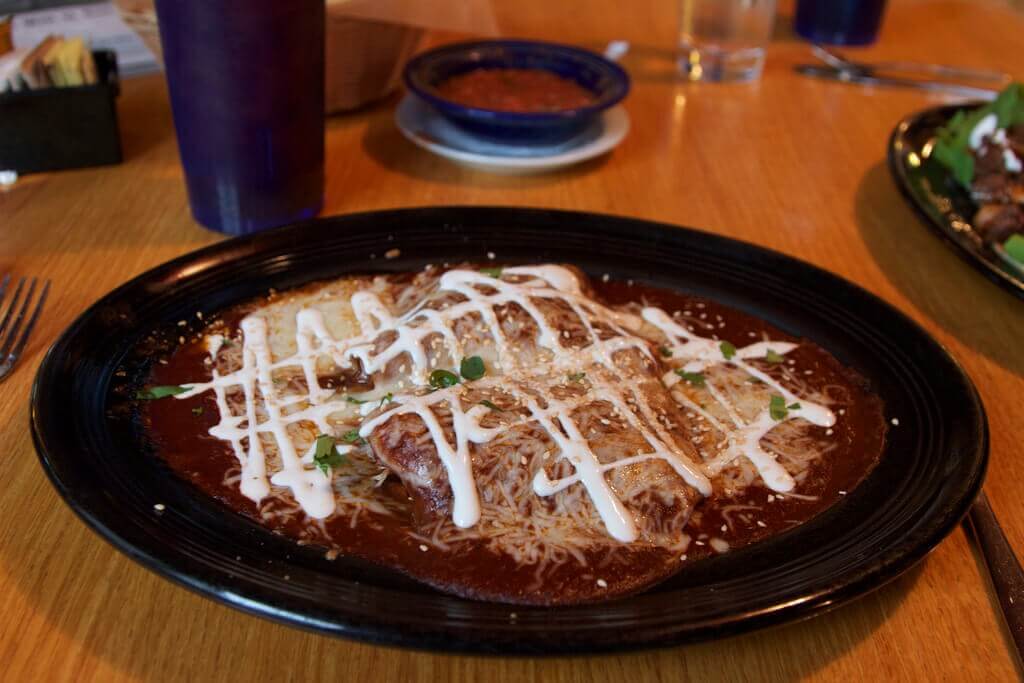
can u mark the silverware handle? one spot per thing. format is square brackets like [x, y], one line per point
[1003, 567]
[943, 70]
[864, 79]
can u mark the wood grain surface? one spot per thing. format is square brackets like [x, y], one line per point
[788, 162]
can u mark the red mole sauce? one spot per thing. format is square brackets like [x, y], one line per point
[179, 430]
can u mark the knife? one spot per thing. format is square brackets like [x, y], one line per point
[845, 76]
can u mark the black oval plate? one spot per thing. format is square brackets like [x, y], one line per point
[932, 467]
[943, 204]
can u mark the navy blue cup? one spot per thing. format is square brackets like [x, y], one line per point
[246, 81]
[605, 80]
[839, 22]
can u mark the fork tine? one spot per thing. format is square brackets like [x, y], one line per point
[12, 305]
[20, 346]
[3, 286]
[12, 333]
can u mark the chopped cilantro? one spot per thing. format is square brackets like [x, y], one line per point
[159, 392]
[439, 379]
[576, 376]
[326, 455]
[774, 357]
[488, 404]
[352, 436]
[472, 368]
[386, 398]
[694, 378]
[665, 351]
[777, 407]
[357, 401]
[793, 406]
[493, 272]
[727, 349]
[197, 411]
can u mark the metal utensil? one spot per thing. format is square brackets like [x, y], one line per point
[1003, 567]
[946, 87]
[841, 63]
[14, 330]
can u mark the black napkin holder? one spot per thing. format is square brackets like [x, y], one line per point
[58, 128]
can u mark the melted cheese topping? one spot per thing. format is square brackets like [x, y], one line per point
[481, 296]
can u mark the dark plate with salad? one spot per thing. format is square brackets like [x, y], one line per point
[962, 168]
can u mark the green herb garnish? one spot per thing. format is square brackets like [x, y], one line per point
[150, 393]
[754, 380]
[951, 147]
[773, 357]
[777, 407]
[693, 378]
[472, 368]
[439, 379]
[357, 401]
[665, 351]
[352, 436]
[1015, 248]
[386, 398]
[197, 411]
[326, 455]
[793, 406]
[576, 376]
[493, 272]
[488, 404]
[727, 349]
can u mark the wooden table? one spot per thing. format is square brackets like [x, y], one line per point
[790, 163]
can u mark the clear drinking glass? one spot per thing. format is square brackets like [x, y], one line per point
[724, 40]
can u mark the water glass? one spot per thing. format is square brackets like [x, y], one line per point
[724, 40]
[246, 80]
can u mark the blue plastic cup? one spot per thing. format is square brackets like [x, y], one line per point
[839, 22]
[246, 80]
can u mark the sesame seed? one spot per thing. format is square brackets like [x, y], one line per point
[761, 524]
[602, 583]
[490, 255]
[842, 493]
[605, 277]
[895, 422]
[829, 432]
[725, 527]
[423, 547]
[771, 498]
[682, 558]
[159, 507]
[700, 542]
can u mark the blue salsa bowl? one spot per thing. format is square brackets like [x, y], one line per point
[607, 81]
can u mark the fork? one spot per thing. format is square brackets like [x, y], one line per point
[841, 63]
[14, 330]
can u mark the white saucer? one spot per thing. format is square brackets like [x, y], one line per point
[421, 123]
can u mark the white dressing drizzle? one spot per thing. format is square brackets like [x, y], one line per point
[411, 331]
[698, 353]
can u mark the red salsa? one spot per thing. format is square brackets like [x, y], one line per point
[515, 90]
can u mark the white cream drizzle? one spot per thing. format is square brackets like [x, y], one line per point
[698, 353]
[483, 293]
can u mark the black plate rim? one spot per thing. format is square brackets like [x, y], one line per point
[887, 567]
[984, 264]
